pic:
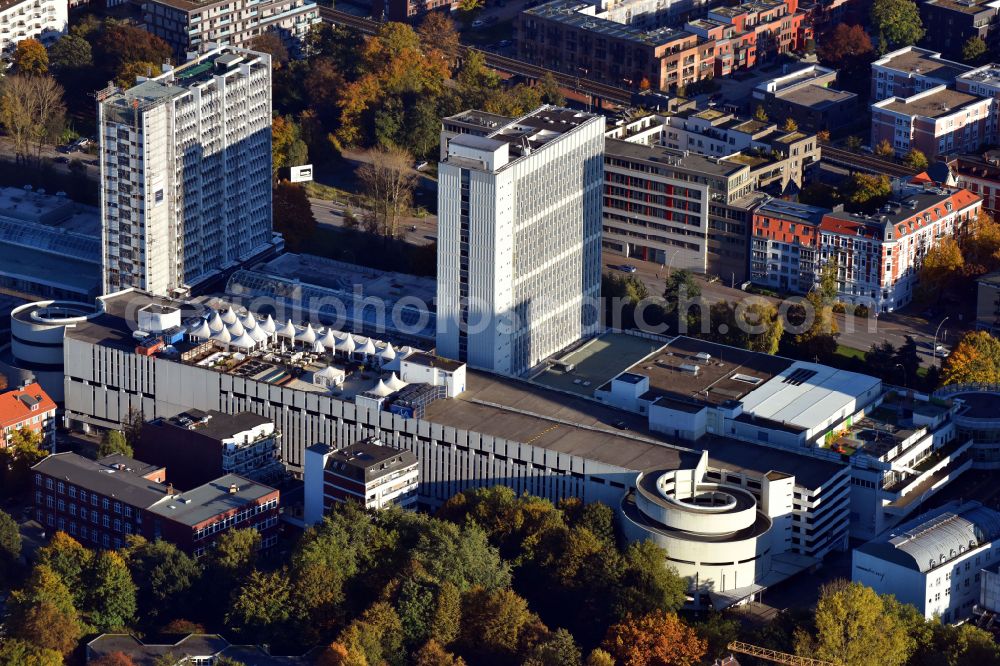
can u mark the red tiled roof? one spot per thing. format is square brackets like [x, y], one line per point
[15, 406]
[841, 223]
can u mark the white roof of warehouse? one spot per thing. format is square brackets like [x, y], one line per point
[807, 394]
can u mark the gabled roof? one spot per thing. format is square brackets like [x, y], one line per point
[21, 404]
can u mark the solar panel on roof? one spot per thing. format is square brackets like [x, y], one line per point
[799, 376]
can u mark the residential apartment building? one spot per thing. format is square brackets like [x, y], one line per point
[933, 562]
[44, 20]
[953, 22]
[189, 25]
[519, 249]
[878, 256]
[988, 303]
[186, 172]
[752, 32]
[785, 242]
[576, 38]
[810, 98]
[28, 407]
[101, 502]
[679, 190]
[366, 472]
[409, 10]
[936, 121]
[911, 70]
[979, 174]
[199, 446]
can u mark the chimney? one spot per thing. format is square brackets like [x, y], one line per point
[233, 489]
[170, 490]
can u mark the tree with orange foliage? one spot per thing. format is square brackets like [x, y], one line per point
[845, 46]
[30, 58]
[940, 268]
[335, 654]
[981, 244]
[394, 64]
[439, 36]
[656, 639]
[432, 654]
[976, 359]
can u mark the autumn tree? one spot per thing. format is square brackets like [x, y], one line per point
[868, 191]
[42, 612]
[760, 114]
[432, 654]
[32, 113]
[112, 659]
[789, 125]
[884, 149]
[15, 652]
[130, 72]
[261, 606]
[387, 181]
[975, 359]
[980, 244]
[439, 37]
[557, 649]
[549, 88]
[270, 42]
[287, 147]
[856, 627]
[293, 215]
[30, 58]
[940, 268]
[119, 46]
[599, 657]
[10, 539]
[654, 639]
[23, 451]
[845, 47]
[494, 625]
[70, 560]
[916, 160]
[70, 53]
[114, 442]
[973, 49]
[897, 21]
[110, 593]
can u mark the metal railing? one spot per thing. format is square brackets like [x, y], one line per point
[775, 656]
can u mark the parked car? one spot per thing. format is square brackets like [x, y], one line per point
[627, 268]
[421, 165]
[478, 23]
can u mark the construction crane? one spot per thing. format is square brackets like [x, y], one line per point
[768, 654]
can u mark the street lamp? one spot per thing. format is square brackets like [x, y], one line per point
[905, 379]
[936, 331]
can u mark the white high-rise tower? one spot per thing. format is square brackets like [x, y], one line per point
[519, 240]
[186, 172]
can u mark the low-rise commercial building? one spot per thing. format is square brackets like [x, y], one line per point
[101, 502]
[911, 70]
[28, 407]
[44, 20]
[933, 562]
[366, 472]
[810, 98]
[200, 446]
[187, 25]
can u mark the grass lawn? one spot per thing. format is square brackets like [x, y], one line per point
[850, 352]
[329, 193]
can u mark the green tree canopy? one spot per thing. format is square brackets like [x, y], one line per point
[973, 49]
[110, 593]
[70, 52]
[112, 442]
[898, 21]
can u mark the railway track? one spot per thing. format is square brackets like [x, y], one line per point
[860, 162]
[496, 61]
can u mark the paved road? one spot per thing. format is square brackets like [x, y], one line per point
[51, 154]
[856, 332]
[416, 230]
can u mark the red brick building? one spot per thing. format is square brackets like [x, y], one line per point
[100, 503]
[27, 407]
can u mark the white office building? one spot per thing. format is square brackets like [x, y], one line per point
[519, 246]
[186, 172]
[44, 20]
[934, 561]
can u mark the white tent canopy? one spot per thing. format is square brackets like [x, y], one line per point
[201, 331]
[387, 353]
[328, 376]
[307, 335]
[329, 340]
[244, 341]
[367, 347]
[319, 348]
[395, 383]
[229, 316]
[222, 336]
[236, 329]
[381, 389]
[249, 321]
[288, 330]
[215, 322]
[258, 334]
[346, 345]
[268, 325]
